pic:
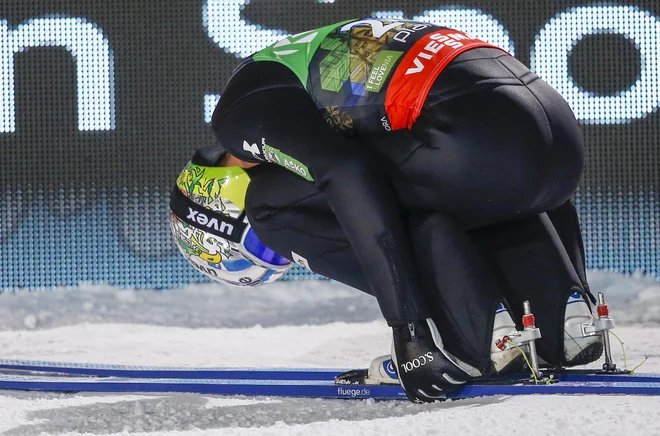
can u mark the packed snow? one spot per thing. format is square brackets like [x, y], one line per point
[287, 324]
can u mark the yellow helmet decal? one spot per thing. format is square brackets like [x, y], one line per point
[212, 258]
[228, 183]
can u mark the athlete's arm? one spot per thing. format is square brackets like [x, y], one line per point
[285, 117]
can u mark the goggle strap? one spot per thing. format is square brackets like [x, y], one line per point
[216, 223]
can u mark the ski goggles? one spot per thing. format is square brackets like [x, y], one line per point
[260, 254]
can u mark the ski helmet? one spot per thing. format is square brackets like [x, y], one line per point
[210, 228]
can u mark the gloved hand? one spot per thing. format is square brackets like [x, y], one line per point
[426, 370]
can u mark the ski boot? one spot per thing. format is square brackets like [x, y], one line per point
[506, 359]
[586, 337]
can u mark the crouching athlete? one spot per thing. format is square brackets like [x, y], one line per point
[415, 163]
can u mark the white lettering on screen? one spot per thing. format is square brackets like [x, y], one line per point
[553, 45]
[89, 48]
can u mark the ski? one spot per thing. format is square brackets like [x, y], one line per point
[269, 388]
[149, 372]
[131, 371]
[304, 388]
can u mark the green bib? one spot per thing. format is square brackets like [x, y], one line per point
[296, 51]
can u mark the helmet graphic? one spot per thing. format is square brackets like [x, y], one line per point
[208, 222]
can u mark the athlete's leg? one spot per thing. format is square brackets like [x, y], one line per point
[565, 130]
[567, 224]
[463, 292]
[530, 261]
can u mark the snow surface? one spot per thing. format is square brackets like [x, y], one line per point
[287, 324]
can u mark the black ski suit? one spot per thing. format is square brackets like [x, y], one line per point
[466, 206]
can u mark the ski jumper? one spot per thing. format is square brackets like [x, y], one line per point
[394, 150]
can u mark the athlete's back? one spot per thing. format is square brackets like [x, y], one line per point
[365, 76]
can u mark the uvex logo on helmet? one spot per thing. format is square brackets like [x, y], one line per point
[203, 220]
[417, 362]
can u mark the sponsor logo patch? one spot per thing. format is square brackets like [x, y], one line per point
[417, 362]
[381, 69]
[273, 155]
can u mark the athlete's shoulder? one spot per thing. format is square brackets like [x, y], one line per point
[250, 76]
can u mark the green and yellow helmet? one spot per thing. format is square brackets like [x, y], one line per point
[210, 228]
